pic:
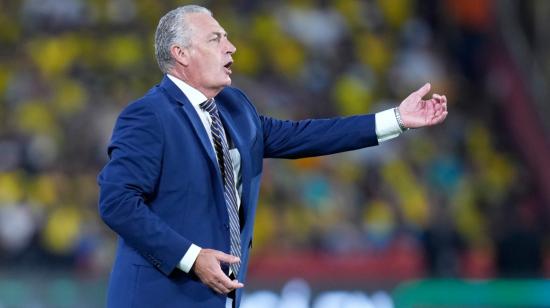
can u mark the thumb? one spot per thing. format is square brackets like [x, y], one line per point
[424, 90]
[223, 257]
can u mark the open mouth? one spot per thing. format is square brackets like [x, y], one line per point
[228, 66]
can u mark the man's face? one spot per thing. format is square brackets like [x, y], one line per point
[210, 53]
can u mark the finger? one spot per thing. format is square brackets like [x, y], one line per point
[219, 290]
[233, 286]
[430, 107]
[438, 107]
[441, 117]
[229, 284]
[223, 257]
[440, 99]
[224, 289]
[439, 113]
[238, 284]
[424, 89]
[216, 287]
[433, 101]
[218, 283]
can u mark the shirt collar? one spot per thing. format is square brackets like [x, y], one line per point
[194, 96]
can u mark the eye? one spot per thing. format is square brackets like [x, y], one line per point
[215, 38]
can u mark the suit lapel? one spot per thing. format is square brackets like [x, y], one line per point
[189, 111]
[193, 117]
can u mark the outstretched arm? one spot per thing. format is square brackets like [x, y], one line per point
[296, 139]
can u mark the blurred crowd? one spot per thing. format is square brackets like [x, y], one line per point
[458, 193]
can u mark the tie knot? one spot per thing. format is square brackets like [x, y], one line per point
[209, 106]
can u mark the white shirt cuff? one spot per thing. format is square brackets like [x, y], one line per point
[186, 263]
[386, 125]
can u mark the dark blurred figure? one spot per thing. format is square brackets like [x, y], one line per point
[519, 248]
[443, 245]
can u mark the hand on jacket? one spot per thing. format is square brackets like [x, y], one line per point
[417, 112]
[207, 268]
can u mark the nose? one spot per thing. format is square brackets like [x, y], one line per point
[231, 49]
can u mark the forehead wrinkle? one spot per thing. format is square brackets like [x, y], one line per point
[202, 23]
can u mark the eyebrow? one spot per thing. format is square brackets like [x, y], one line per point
[219, 34]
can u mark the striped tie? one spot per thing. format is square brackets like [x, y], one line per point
[226, 168]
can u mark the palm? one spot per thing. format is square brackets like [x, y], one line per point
[417, 112]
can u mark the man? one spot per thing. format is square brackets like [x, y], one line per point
[183, 179]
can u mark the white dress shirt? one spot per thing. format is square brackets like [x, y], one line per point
[386, 126]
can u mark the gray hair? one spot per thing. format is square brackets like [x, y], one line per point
[173, 29]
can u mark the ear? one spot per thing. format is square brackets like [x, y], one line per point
[180, 54]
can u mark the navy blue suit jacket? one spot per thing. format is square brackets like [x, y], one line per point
[162, 189]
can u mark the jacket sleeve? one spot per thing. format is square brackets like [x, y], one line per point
[130, 179]
[297, 139]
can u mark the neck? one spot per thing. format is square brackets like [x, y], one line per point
[209, 93]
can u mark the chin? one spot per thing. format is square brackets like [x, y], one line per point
[227, 82]
[221, 83]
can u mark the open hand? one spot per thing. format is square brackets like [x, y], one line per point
[417, 112]
[207, 268]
